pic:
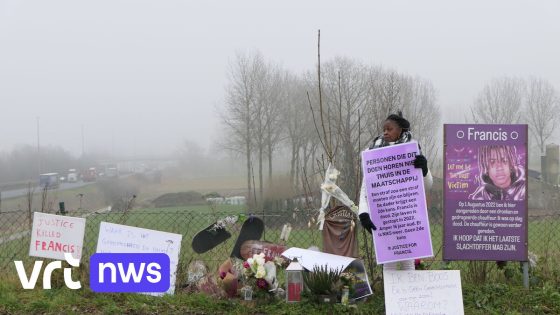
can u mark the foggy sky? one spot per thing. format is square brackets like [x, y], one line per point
[141, 76]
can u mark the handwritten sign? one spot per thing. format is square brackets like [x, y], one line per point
[116, 238]
[397, 203]
[53, 235]
[423, 292]
[485, 187]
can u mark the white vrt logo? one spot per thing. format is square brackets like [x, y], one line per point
[47, 274]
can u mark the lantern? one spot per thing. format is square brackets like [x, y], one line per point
[294, 282]
[247, 293]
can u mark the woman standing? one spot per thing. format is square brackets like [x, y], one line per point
[396, 130]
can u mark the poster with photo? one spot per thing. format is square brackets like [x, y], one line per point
[485, 192]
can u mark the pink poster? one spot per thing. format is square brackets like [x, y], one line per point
[397, 203]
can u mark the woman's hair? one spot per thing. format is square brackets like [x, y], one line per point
[507, 151]
[399, 120]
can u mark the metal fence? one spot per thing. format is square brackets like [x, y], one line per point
[544, 231]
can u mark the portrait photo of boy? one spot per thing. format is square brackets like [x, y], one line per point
[501, 176]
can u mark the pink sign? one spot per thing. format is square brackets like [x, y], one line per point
[397, 203]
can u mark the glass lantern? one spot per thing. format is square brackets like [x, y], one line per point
[294, 282]
[247, 293]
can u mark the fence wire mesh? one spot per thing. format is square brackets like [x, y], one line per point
[15, 227]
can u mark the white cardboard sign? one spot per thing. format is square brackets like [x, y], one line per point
[117, 238]
[53, 235]
[423, 292]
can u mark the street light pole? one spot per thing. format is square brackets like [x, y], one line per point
[82, 140]
[38, 149]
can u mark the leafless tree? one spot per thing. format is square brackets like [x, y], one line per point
[297, 125]
[238, 116]
[542, 110]
[421, 109]
[266, 106]
[389, 92]
[274, 127]
[339, 108]
[499, 102]
[345, 93]
[385, 97]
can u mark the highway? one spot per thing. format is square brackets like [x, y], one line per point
[21, 192]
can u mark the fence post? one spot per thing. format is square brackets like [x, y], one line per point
[526, 274]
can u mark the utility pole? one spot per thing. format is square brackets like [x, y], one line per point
[38, 149]
[82, 140]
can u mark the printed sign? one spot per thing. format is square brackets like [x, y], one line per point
[397, 203]
[423, 292]
[485, 192]
[53, 235]
[116, 238]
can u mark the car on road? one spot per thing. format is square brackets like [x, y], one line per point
[89, 175]
[49, 180]
[72, 176]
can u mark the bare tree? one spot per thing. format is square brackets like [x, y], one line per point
[421, 109]
[345, 93]
[238, 116]
[266, 107]
[499, 102]
[542, 109]
[274, 127]
[389, 92]
[296, 124]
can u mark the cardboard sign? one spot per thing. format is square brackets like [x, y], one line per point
[485, 192]
[53, 235]
[423, 292]
[116, 238]
[397, 203]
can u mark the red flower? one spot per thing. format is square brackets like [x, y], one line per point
[261, 283]
[222, 275]
[417, 262]
[246, 265]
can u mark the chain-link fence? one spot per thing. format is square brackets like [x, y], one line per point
[15, 234]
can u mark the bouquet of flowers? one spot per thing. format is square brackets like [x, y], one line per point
[260, 274]
[228, 278]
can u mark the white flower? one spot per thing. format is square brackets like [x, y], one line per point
[261, 272]
[259, 259]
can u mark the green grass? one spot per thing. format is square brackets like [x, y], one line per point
[483, 299]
